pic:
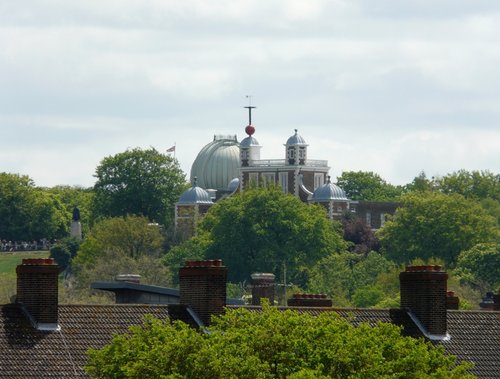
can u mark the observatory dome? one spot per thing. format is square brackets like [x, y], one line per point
[217, 163]
[328, 192]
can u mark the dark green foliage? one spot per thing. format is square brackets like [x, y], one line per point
[74, 196]
[471, 184]
[29, 213]
[365, 297]
[140, 182]
[121, 245]
[367, 186]
[340, 275]
[435, 225]
[271, 344]
[64, 251]
[261, 230]
[480, 266]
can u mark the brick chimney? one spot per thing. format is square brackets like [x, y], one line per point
[496, 301]
[423, 292]
[452, 301]
[37, 290]
[262, 287]
[309, 300]
[203, 287]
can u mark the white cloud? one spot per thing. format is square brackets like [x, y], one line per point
[387, 86]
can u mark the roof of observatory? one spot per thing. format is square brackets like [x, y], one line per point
[195, 195]
[327, 192]
[217, 163]
[296, 139]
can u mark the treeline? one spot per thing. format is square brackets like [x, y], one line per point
[142, 182]
[127, 219]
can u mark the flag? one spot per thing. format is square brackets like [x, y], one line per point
[171, 150]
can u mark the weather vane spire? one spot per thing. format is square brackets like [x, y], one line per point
[249, 107]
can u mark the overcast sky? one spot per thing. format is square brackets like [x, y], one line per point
[389, 86]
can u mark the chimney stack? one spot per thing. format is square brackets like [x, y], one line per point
[203, 287]
[309, 300]
[423, 292]
[262, 287]
[452, 301]
[496, 301]
[37, 291]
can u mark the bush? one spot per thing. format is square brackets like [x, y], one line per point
[64, 251]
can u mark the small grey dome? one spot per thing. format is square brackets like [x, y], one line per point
[328, 192]
[195, 195]
[296, 139]
[249, 141]
[233, 185]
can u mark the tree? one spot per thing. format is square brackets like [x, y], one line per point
[340, 275]
[472, 184]
[264, 230]
[28, 212]
[480, 265]
[271, 344]
[120, 245]
[421, 183]
[436, 225]
[75, 196]
[140, 182]
[64, 251]
[367, 186]
[357, 231]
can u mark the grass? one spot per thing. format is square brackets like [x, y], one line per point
[8, 263]
[9, 260]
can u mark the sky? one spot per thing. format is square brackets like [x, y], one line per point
[389, 86]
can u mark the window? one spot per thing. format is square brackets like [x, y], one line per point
[254, 178]
[369, 218]
[382, 219]
[268, 178]
[284, 181]
[318, 180]
[244, 154]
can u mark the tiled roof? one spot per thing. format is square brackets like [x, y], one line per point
[29, 353]
[474, 335]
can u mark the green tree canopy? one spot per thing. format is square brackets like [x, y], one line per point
[481, 265]
[140, 182]
[367, 186]
[471, 184]
[339, 275]
[28, 212]
[272, 344]
[421, 184]
[120, 245]
[432, 224]
[75, 196]
[261, 229]
[64, 251]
